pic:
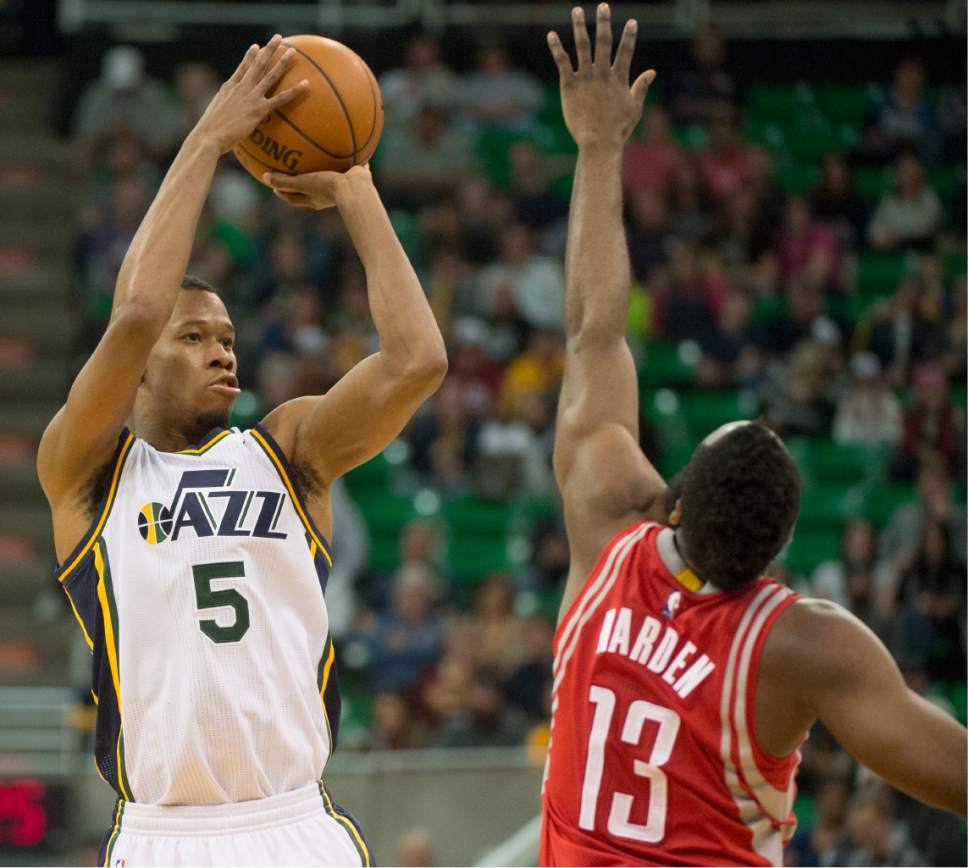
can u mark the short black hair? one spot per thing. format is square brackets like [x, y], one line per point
[189, 281]
[740, 499]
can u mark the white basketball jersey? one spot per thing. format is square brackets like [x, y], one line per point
[200, 591]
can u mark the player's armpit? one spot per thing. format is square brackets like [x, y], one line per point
[849, 681]
[356, 419]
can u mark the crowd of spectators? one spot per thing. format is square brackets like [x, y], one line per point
[713, 242]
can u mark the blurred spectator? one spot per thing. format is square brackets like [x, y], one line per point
[648, 234]
[195, 85]
[479, 375]
[782, 334]
[794, 396]
[443, 440]
[423, 160]
[513, 455]
[807, 250]
[351, 548]
[819, 842]
[956, 333]
[530, 680]
[899, 331]
[123, 99]
[689, 216]
[486, 720]
[933, 426]
[724, 162]
[728, 355]
[498, 94]
[952, 111]
[878, 840]
[522, 283]
[298, 327]
[687, 300]
[836, 203]
[705, 90]
[854, 580]
[549, 564]
[501, 631]
[394, 725]
[422, 80]
[407, 639]
[902, 118]
[415, 850]
[901, 538]
[651, 162]
[535, 203]
[931, 597]
[909, 215]
[868, 412]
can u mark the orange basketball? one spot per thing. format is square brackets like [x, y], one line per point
[334, 125]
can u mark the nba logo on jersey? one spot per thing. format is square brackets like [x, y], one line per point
[194, 507]
[672, 605]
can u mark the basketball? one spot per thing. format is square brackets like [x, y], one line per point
[333, 126]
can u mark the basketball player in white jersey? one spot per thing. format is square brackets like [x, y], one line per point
[194, 555]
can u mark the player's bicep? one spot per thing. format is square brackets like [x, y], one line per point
[359, 417]
[84, 432]
[600, 388]
[856, 689]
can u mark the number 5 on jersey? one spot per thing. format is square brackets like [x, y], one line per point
[207, 598]
[639, 712]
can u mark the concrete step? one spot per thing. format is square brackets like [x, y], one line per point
[20, 485]
[31, 520]
[48, 210]
[28, 421]
[24, 580]
[46, 286]
[40, 379]
[44, 332]
[51, 642]
[48, 152]
[47, 237]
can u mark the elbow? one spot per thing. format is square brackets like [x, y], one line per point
[426, 371]
[141, 317]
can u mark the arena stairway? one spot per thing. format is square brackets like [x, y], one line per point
[37, 224]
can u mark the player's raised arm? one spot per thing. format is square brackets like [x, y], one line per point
[599, 467]
[83, 434]
[847, 679]
[363, 413]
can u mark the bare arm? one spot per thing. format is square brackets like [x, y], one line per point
[846, 678]
[362, 414]
[83, 434]
[600, 470]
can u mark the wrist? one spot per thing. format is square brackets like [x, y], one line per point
[202, 142]
[601, 147]
[354, 184]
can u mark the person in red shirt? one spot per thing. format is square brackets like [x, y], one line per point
[724, 162]
[685, 681]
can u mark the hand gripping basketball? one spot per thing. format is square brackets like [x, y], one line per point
[317, 190]
[241, 102]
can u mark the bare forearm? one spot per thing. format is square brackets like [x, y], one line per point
[158, 256]
[409, 336]
[597, 271]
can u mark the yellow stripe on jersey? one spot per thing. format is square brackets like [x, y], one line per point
[688, 579]
[112, 491]
[87, 638]
[203, 449]
[292, 493]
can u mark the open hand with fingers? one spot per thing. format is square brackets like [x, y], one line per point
[599, 106]
[242, 102]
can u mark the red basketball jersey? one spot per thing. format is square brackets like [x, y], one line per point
[653, 759]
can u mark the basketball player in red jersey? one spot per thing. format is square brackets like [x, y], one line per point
[684, 681]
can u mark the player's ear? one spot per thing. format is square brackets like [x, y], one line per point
[675, 517]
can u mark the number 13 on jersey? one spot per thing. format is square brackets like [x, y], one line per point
[619, 822]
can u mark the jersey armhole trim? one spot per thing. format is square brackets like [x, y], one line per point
[281, 464]
[83, 548]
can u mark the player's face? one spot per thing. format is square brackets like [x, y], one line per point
[191, 373]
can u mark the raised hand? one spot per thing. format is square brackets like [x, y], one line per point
[598, 104]
[318, 189]
[243, 101]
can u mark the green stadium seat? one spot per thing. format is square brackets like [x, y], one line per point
[843, 463]
[478, 533]
[959, 396]
[779, 102]
[880, 501]
[767, 133]
[829, 505]
[811, 547]
[768, 308]
[945, 180]
[955, 264]
[704, 411]
[692, 137]
[386, 514]
[375, 476]
[854, 307]
[667, 364]
[872, 182]
[796, 179]
[878, 273]
[846, 102]
[491, 151]
[811, 142]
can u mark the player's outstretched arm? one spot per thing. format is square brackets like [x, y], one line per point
[83, 434]
[369, 407]
[846, 678]
[599, 467]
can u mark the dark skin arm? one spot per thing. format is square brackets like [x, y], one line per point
[83, 434]
[605, 480]
[847, 679]
[367, 409]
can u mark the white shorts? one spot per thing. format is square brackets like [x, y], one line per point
[302, 827]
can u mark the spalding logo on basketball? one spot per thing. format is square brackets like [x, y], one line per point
[332, 126]
[154, 523]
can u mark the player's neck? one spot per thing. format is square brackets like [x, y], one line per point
[670, 550]
[166, 436]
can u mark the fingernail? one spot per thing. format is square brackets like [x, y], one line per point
[633, 24]
[603, 8]
[304, 83]
[577, 13]
[552, 37]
